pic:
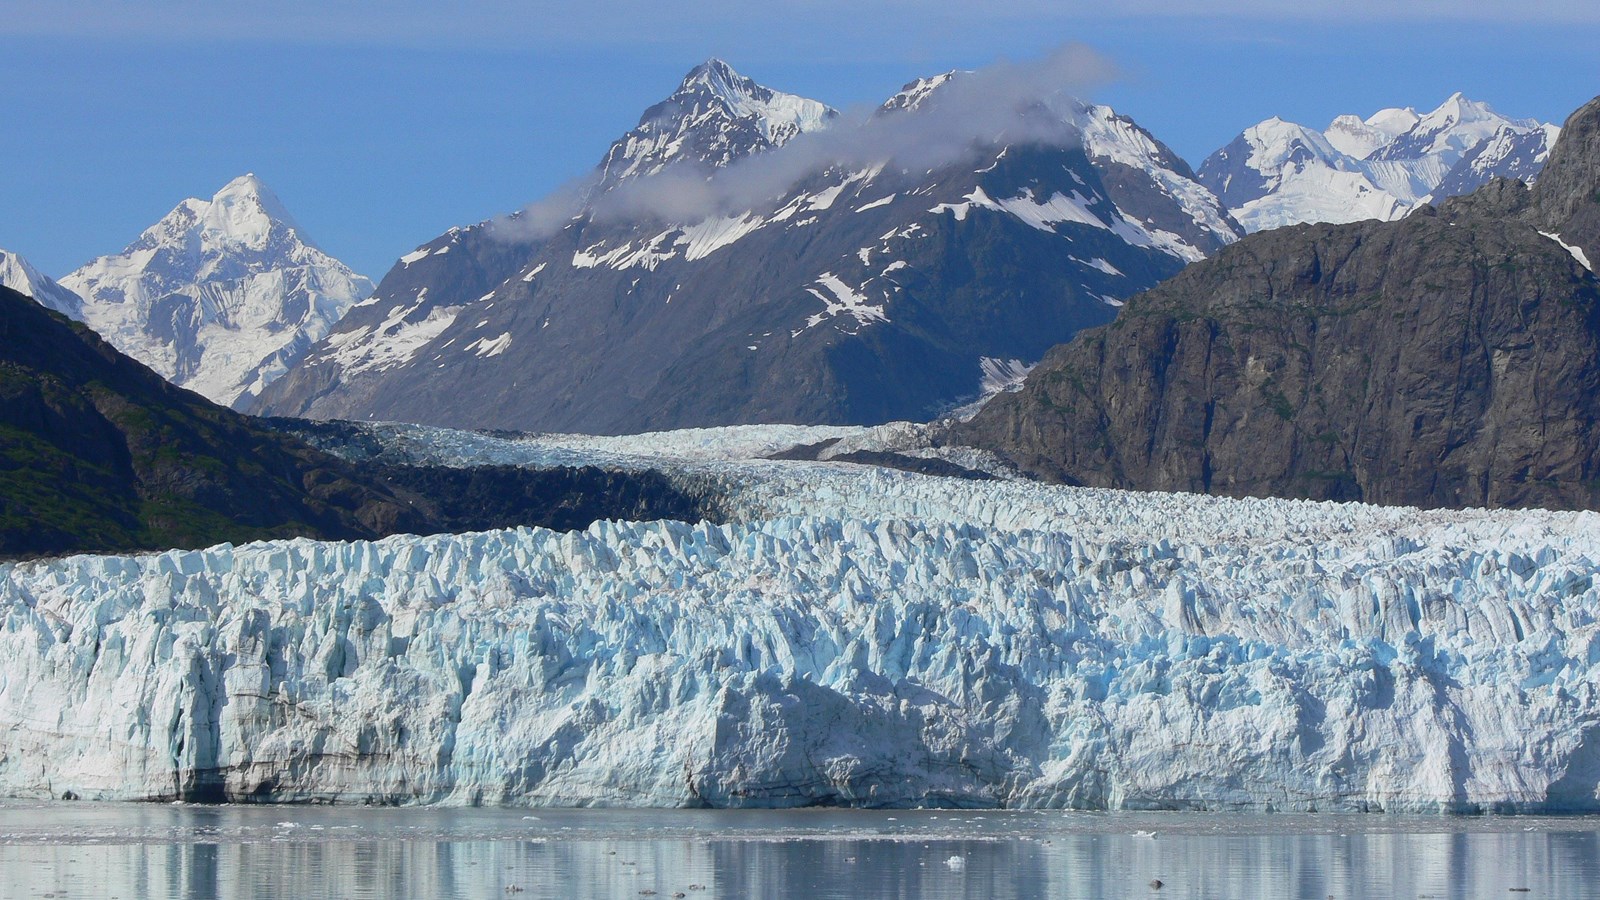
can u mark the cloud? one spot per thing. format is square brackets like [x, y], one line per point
[1007, 102]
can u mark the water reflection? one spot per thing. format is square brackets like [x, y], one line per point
[82, 850]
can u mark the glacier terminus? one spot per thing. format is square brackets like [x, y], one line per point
[849, 635]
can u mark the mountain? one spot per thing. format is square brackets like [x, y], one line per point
[221, 296]
[878, 274]
[16, 273]
[101, 453]
[98, 454]
[1451, 358]
[1278, 173]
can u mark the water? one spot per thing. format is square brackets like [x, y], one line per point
[127, 851]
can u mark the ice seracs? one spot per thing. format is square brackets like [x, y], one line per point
[851, 636]
[220, 296]
[1280, 173]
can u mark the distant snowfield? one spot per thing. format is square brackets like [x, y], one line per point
[855, 635]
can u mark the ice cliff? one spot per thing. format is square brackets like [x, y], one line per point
[855, 636]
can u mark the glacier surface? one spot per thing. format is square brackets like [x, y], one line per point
[852, 635]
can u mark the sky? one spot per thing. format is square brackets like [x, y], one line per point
[382, 125]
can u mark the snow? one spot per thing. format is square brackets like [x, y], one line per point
[778, 115]
[647, 255]
[487, 347]
[393, 342]
[19, 275]
[1577, 252]
[711, 235]
[1102, 265]
[1379, 168]
[1394, 121]
[1002, 374]
[841, 299]
[1077, 209]
[1113, 137]
[713, 99]
[701, 239]
[1320, 194]
[1046, 215]
[414, 256]
[1454, 127]
[1351, 136]
[882, 201]
[853, 635]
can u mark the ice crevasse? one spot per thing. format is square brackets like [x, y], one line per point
[830, 659]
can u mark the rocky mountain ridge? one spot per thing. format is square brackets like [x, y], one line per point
[1451, 358]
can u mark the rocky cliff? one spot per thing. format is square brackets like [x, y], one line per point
[1448, 359]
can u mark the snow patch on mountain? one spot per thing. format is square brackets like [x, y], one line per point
[1002, 374]
[395, 341]
[483, 348]
[1577, 252]
[839, 299]
[1110, 136]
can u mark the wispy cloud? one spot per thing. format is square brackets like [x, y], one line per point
[1006, 102]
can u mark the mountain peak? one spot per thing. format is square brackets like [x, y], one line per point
[714, 71]
[1457, 108]
[715, 117]
[915, 93]
[19, 275]
[246, 209]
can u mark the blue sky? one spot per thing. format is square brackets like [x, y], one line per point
[381, 127]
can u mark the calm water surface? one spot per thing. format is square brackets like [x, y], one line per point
[127, 851]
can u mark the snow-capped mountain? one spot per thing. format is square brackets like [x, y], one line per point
[716, 116]
[16, 273]
[221, 296]
[1279, 173]
[858, 290]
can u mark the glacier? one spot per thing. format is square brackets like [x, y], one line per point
[849, 635]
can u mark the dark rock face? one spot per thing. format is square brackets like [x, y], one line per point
[1568, 193]
[1448, 359]
[99, 453]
